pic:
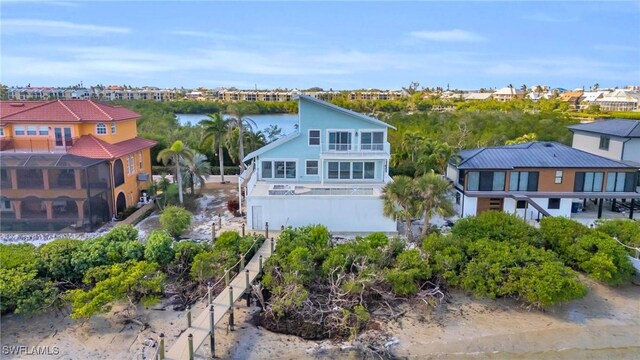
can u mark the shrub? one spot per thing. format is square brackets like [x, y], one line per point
[56, 259]
[447, 256]
[106, 251]
[233, 205]
[21, 291]
[409, 270]
[625, 230]
[185, 252]
[175, 220]
[496, 225]
[122, 233]
[158, 248]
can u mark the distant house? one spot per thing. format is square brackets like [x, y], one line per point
[537, 179]
[588, 97]
[616, 139]
[619, 100]
[330, 171]
[573, 98]
[507, 94]
[477, 96]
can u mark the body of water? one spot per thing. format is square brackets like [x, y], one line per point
[286, 122]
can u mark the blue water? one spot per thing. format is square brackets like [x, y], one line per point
[286, 122]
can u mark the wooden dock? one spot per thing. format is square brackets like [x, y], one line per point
[221, 304]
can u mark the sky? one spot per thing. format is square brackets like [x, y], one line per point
[333, 45]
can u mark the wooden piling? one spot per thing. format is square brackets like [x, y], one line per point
[190, 346]
[266, 229]
[188, 316]
[230, 308]
[212, 336]
[248, 285]
[161, 347]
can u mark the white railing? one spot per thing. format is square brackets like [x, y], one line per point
[355, 148]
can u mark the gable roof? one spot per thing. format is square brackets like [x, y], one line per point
[615, 127]
[67, 111]
[344, 111]
[533, 155]
[92, 147]
[271, 145]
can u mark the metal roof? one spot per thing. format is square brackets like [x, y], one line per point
[272, 145]
[533, 155]
[27, 160]
[345, 111]
[614, 127]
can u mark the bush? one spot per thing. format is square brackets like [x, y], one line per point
[625, 230]
[175, 220]
[122, 233]
[185, 252]
[158, 248]
[233, 205]
[496, 225]
[114, 247]
[409, 270]
[591, 251]
[56, 260]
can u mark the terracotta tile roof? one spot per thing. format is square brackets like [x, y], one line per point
[92, 147]
[62, 111]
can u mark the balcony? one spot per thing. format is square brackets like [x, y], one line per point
[367, 151]
[26, 144]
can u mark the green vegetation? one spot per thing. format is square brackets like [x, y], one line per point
[175, 220]
[176, 154]
[159, 248]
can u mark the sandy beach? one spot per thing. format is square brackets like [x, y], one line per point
[605, 324]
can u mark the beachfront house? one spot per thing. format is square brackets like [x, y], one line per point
[539, 179]
[331, 171]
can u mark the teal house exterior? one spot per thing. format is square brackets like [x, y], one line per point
[331, 171]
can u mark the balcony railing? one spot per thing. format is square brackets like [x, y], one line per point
[355, 148]
[35, 144]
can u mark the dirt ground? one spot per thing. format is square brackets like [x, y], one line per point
[603, 325]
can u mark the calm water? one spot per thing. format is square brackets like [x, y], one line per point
[284, 121]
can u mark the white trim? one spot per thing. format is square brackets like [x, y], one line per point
[306, 167]
[274, 178]
[353, 143]
[113, 127]
[319, 137]
[351, 179]
[105, 128]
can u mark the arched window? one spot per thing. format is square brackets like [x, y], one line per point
[118, 173]
[101, 129]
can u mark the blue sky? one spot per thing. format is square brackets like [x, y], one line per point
[339, 45]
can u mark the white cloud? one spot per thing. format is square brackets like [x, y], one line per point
[57, 28]
[455, 35]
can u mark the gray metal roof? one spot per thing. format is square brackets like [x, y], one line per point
[614, 127]
[345, 111]
[533, 155]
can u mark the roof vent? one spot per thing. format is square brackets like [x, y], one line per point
[548, 145]
[16, 104]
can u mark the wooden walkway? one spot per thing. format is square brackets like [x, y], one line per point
[200, 326]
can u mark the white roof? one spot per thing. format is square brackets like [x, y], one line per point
[507, 91]
[477, 96]
[620, 96]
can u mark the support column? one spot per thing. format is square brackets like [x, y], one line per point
[78, 178]
[45, 178]
[613, 205]
[600, 202]
[13, 173]
[80, 205]
[633, 203]
[49, 208]
[17, 209]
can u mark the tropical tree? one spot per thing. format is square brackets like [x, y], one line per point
[216, 128]
[173, 155]
[239, 112]
[400, 201]
[196, 168]
[433, 192]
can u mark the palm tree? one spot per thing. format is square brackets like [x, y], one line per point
[174, 154]
[400, 201]
[433, 191]
[197, 167]
[216, 128]
[239, 111]
[410, 143]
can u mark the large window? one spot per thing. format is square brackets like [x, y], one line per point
[314, 137]
[346, 170]
[101, 129]
[485, 180]
[279, 169]
[588, 182]
[18, 130]
[372, 140]
[604, 142]
[620, 181]
[523, 181]
[311, 167]
[31, 130]
[340, 140]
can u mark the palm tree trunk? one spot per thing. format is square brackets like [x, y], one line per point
[407, 230]
[179, 176]
[193, 186]
[425, 228]
[241, 143]
[221, 156]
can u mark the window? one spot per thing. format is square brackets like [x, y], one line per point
[521, 204]
[1, 131]
[345, 170]
[140, 160]
[18, 130]
[458, 197]
[101, 129]
[369, 170]
[604, 142]
[5, 205]
[314, 137]
[31, 130]
[43, 131]
[523, 181]
[113, 128]
[311, 167]
[620, 181]
[333, 170]
[486, 180]
[461, 177]
[340, 140]
[588, 182]
[558, 177]
[372, 140]
[554, 203]
[131, 164]
[356, 170]
[267, 169]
